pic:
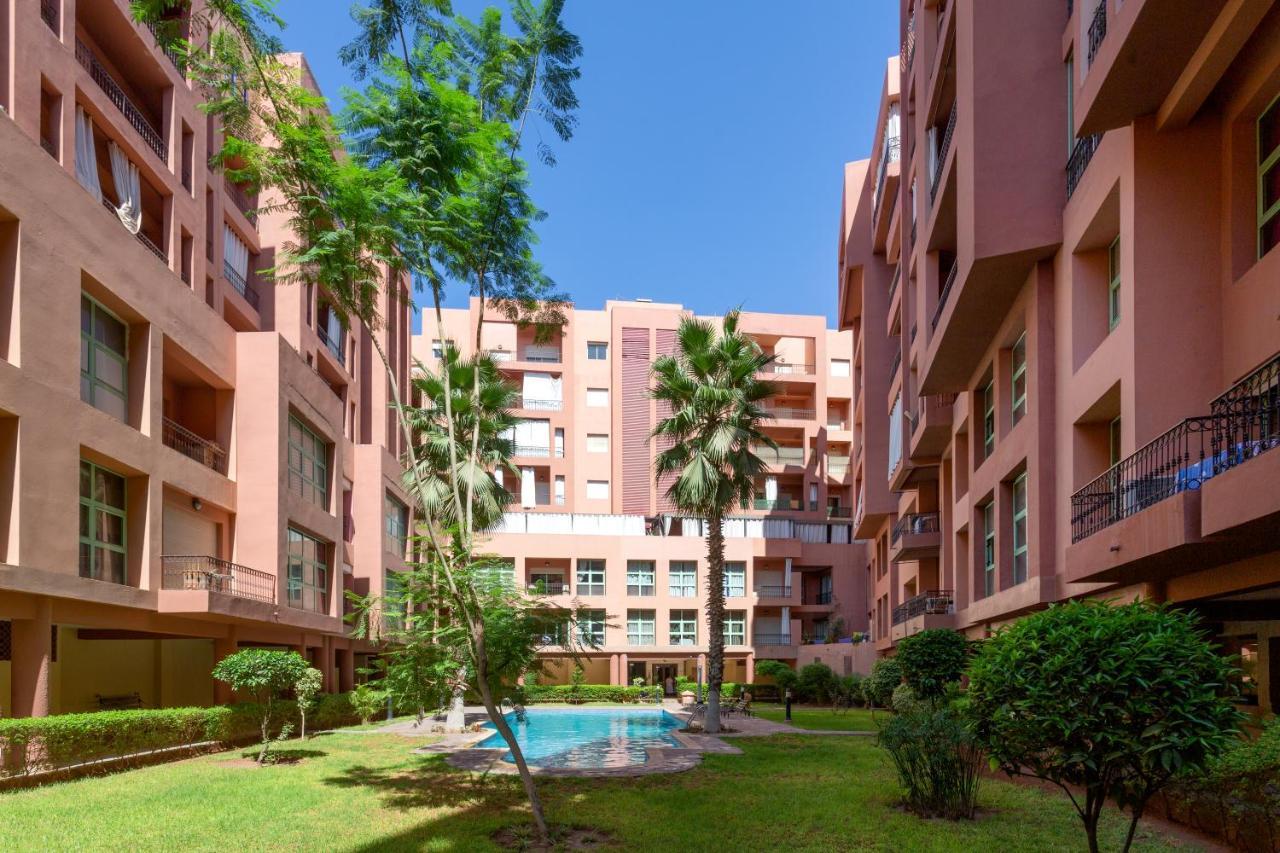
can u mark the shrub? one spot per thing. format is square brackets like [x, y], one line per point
[848, 690]
[931, 660]
[782, 675]
[1116, 699]
[306, 692]
[367, 702]
[936, 758]
[878, 687]
[534, 693]
[264, 674]
[815, 682]
[904, 699]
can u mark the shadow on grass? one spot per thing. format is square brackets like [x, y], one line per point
[285, 755]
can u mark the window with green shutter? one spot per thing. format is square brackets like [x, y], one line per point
[1269, 178]
[103, 519]
[1020, 529]
[989, 548]
[1113, 283]
[308, 573]
[308, 464]
[1019, 399]
[104, 360]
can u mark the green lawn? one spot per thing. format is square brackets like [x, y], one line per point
[367, 792]
[820, 718]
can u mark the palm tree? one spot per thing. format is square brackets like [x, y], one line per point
[714, 396]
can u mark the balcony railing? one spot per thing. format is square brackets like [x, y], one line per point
[533, 451]
[896, 362]
[541, 588]
[1245, 423]
[208, 453]
[198, 572]
[781, 367]
[771, 639]
[935, 602]
[534, 404]
[820, 598]
[839, 512]
[237, 281]
[777, 503]
[541, 357]
[915, 523]
[941, 160]
[335, 347]
[837, 466]
[791, 412]
[241, 201]
[49, 12]
[909, 45]
[1081, 153]
[779, 456]
[773, 591]
[946, 291]
[117, 96]
[1097, 29]
[141, 237]
[893, 283]
[890, 154]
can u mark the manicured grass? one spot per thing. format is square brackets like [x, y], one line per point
[368, 792]
[820, 718]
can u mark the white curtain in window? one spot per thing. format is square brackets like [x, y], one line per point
[541, 386]
[771, 488]
[235, 252]
[86, 155]
[128, 189]
[497, 476]
[528, 495]
[530, 433]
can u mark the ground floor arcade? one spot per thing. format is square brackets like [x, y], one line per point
[623, 668]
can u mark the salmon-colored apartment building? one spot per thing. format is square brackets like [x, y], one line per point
[589, 526]
[191, 459]
[1059, 264]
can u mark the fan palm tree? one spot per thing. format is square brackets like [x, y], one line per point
[711, 387]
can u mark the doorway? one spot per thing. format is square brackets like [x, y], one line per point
[664, 675]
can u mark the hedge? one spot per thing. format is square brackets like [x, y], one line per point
[33, 744]
[534, 693]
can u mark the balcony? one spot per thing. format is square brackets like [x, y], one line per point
[774, 639]
[238, 282]
[790, 413]
[896, 361]
[116, 94]
[780, 503]
[540, 355]
[780, 455]
[940, 159]
[774, 591]
[818, 599]
[49, 13]
[948, 283]
[208, 453]
[537, 451]
[935, 602]
[1081, 153]
[547, 588]
[916, 536]
[839, 512]
[908, 45]
[782, 368]
[837, 469]
[931, 427]
[141, 236]
[242, 202]
[536, 405]
[213, 575]
[1097, 30]
[333, 342]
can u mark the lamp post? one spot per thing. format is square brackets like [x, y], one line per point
[788, 705]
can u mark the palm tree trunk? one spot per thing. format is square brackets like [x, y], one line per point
[715, 621]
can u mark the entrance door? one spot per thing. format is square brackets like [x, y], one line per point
[664, 675]
[635, 669]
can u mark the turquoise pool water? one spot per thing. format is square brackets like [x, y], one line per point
[588, 738]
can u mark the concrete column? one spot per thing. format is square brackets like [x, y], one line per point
[613, 670]
[29, 673]
[623, 679]
[224, 647]
[326, 665]
[346, 670]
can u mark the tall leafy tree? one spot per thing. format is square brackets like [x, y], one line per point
[712, 387]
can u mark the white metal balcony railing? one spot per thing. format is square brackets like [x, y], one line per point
[791, 412]
[780, 455]
[534, 404]
[784, 368]
[738, 527]
[540, 355]
[539, 451]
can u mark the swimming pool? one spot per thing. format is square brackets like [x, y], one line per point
[572, 737]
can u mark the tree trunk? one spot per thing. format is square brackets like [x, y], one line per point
[530, 790]
[266, 732]
[715, 622]
[303, 715]
[1133, 826]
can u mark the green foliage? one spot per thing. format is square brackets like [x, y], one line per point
[576, 693]
[1116, 699]
[878, 687]
[931, 660]
[936, 758]
[904, 699]
[816, 683]
[306, 692]
[263, 674]
[368, 701]
[781, 674]
[847, 690]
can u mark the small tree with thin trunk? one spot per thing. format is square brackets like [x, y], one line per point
[713, 395]
[306, 690]
[1109, 700]
[263, 674]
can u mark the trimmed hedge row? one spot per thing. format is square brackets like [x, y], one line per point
[535, 693]
[33, 744]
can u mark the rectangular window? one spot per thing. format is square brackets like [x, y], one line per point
[1269, 178]
[308, 464]
[395, 608]
[684, 628]
[1113, 283]
[104, 360]
[308, 579]
[497, 573]
[989, 549]
[839, 367]
[1020, 529]
[1019, 399]
[735, 580]
[735, 627]
[598, 398]
[598, 490]
[102, 524]
[590, 577]
[1113, 432]
[397, 526]
[988, 419]
[640, 627]
[640, 577]
[591, 627]
[597, 444]
[437, 349]
[682, 579]
[597, 351]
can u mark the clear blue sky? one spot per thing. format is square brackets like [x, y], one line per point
[706, 168]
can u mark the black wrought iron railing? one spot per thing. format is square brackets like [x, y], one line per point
[197, 447]
[791, 412]
[839, 512]
[1097, 29]
[1252, 411]
[935, 602]
[199, 572]
[896, 362]
[773, 591]
[827, 597]
[914, 524]
[135, 116]
[890, 154]
[908, 44]
[141, 237]
[49, 12]
[1081, 154]
[771, 639]
[945, 293]
[243, 204]
[333, 344]
[940, 162]
[238, 282]
[893, 283]
[174, 56]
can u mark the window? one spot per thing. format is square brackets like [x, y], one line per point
[1020, 529]
[988, 419]
[102, 524]
[393, 591]
[839, 367]
[308, 579]
[735, 627]
[683, 579]
[598, 398]
[590, 577]
[597, 351]
[684, 628]
[308, 464]
[497, 573]
[1113, 432]
[1113, 283]
[397, 526]
[640, 577]
[989, 549]
[640, 627]
[1071, 104]
[103, 359]
[895, 434]
[1020, 378]
[591, 627]
[1269, 178]
[437, 349]
[735, 580]
[597, 444]
[598, 490]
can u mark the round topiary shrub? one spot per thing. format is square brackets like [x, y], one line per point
[878, 687]
[932, 660]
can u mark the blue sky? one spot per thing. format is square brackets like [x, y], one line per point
[707, 163]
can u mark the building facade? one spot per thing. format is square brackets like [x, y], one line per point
[590, 528]
[1059, 267]
[192, 460]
